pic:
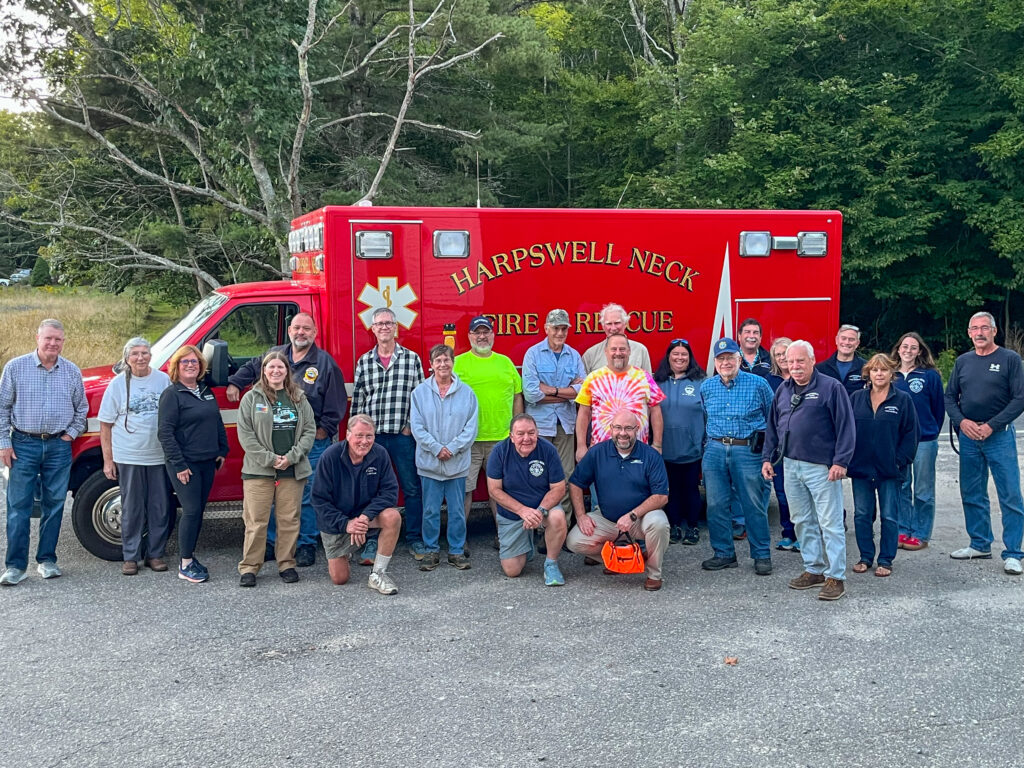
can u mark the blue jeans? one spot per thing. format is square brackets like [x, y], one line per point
[999, 454]
[816, 507]
[917, 494]
[307, 518]
[454, 492]
[402, 450]
[49, 460]
[732, 475]
[864, 518]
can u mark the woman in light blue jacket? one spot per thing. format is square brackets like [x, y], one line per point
[444, 423]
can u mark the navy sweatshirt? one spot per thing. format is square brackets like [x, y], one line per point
[343, 490]
[886, 438]
[924, 385]
[762, 365]
[988, 389]
[854, 377]
[819, 430]
[190, 428]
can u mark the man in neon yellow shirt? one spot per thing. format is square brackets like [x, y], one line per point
[499, 391]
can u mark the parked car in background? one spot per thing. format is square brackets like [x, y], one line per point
[4, 282]
[20, 276]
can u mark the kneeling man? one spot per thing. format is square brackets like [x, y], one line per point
[525, 479]
[354, 490]
[633, 488]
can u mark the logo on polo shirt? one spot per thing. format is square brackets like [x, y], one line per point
[916, 385]
[310, 375]
[993, 367]
[536, 468]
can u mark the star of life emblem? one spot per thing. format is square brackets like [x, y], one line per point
[388, 294]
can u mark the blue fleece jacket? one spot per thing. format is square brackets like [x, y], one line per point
[924, 385]
[443, 422]
[886, 438]
[819, 429]
[854, 380]
[343, 490]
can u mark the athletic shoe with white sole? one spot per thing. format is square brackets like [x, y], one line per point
[969, 553]
[49, 570]
[1012, 566]
[12, 577]
[382, 582]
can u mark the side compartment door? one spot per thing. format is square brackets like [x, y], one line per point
[798, 318]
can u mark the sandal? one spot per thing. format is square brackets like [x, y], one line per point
[883, 571]
[861, 568]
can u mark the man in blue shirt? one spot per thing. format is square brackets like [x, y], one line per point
[845, 364]
[633, 487]
[552, 374]
[737, 405]
[526, 482]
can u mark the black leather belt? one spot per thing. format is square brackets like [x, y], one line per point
[41, 435]
[732, 440]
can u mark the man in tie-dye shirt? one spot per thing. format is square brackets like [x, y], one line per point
[612, 388]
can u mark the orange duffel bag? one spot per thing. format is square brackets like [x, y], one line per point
[623, 557]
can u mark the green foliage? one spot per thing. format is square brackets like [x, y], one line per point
[40, 274]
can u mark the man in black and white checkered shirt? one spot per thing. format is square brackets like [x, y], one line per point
[384, 381]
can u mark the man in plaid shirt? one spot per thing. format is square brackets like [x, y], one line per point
[384, 381]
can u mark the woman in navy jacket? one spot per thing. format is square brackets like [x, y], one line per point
[918, 377]
[887, 431]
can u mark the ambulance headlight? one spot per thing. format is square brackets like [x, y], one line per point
[451, 244]
[373, 245]
[318, 262]
[812, 243]
[755, 243]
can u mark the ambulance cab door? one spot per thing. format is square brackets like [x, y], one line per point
[386, 273]
[808, 318]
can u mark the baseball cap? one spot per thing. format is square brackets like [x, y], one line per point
[481, 320]
[557, 317]
[724, 346]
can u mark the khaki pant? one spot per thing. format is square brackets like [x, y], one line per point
[565, 444]
[258, 495]
[652, 528]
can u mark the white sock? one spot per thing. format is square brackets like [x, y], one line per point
[380, 563]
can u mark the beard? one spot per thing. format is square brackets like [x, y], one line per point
[481, 346]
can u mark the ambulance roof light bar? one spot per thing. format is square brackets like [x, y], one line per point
[761, 244]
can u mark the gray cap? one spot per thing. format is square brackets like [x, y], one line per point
[557, 317]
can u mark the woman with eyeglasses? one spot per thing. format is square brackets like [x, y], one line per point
[133, 457]
[195, 445]
[886, 424]
[779, 373]
[918, 377]
[679, 376]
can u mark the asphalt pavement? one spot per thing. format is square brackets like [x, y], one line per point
[469, 668]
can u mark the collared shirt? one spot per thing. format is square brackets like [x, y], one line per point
[623, 482]
[385, 394]
[33, 399]
[541, 365]
[737, 409]
[594, 358]
[606, 392]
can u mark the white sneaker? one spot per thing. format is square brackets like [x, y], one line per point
[969, 553]
[1012, 566]
[48, 570]
[383, 583]
[13, 576]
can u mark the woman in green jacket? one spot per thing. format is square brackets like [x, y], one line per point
[276, 429]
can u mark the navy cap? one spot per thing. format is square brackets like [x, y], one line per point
[482, 320]
[724, 346]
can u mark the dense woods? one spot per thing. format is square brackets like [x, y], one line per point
[171, 142]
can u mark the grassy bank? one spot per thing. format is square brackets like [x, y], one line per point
[97, 324]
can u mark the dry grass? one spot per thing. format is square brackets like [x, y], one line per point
[97, 324]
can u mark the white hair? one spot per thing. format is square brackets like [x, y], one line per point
[361, 418]
[615, 308]
[987, 315]
[50, 323]
[132, 343]
[804, 345]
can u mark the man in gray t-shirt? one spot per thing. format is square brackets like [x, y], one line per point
[984, 396]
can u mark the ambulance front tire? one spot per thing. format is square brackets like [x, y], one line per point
[96, 516]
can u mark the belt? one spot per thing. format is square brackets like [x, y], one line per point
[41, 435]
[732, 440]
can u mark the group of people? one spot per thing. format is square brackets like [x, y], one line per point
[638, 439]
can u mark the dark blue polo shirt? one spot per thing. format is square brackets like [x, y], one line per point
[622, 483]
[527, 479]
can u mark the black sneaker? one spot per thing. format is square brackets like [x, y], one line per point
[247, 580]
[675, 534]
[305, 556]
[269, 555]
[718, 563]
[692, 536]
[763, 566]
[289, 575]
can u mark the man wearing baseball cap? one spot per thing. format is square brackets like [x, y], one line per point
[552, 374]
[499, 392]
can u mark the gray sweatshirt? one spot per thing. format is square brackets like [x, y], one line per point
[449, 422]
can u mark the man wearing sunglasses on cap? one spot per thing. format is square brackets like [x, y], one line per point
[811, 431]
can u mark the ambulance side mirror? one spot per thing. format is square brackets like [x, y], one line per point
[217, 361]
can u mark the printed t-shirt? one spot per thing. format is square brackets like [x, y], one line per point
[607, 392]
[527, 479]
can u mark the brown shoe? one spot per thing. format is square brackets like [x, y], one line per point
[156, 564]
[652, 585]
[807, 580]
[833, 590]
[129, 568]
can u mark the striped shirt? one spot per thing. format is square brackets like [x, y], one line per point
[385, 394]
[40, 401]
[737, 409]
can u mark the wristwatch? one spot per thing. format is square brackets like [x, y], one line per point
[633, 517]
[543, 511]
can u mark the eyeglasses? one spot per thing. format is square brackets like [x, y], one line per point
[982, 328]
[384, 324]
[188, 362]
[617, 428]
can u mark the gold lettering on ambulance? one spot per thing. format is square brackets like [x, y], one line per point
[482, 272]
[530, 319]
[519, 255]
[583, 323]
[579, 251]
[686, 281]
[657, 264]
[634, 318]
[536, 255]
[664, 320]
[512, 323]
[500, 261]
[608, 257]
[635, 258]
[652, 317]
[465, 278]
[556, 251]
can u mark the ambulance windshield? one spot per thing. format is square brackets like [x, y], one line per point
[179, 334]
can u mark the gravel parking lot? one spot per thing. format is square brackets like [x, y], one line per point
[473, 669]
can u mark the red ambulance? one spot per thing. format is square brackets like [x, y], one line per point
[680, 273]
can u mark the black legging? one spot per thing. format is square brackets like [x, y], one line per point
[193, 502]
[683, 493]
